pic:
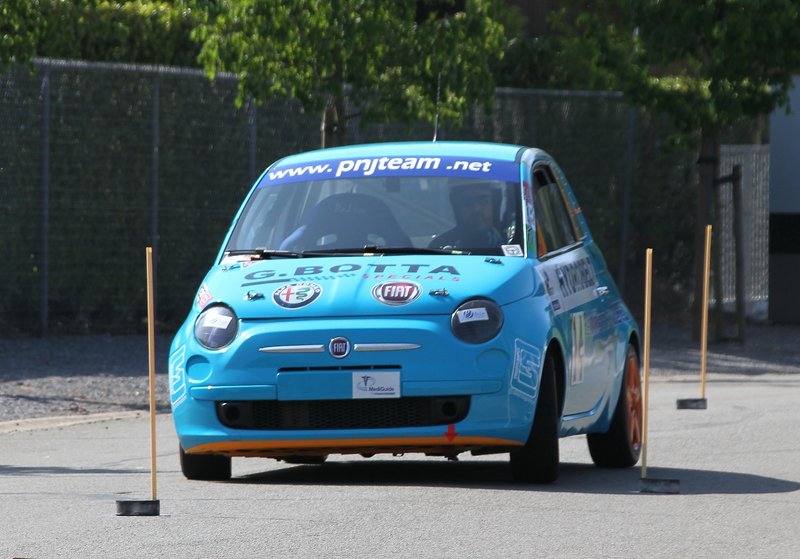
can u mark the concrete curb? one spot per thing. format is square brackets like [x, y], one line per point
[40, 423]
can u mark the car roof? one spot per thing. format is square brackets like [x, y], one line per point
[488, 150]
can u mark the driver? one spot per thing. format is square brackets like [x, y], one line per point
[473, 207]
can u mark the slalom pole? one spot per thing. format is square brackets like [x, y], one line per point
[650, 485]
[646, 354]
[704, 332]
[151, 343]
[701, 403]
[153, 506]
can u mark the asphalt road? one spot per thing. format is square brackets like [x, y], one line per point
[737, 463]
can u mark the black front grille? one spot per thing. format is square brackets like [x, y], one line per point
[275, 415]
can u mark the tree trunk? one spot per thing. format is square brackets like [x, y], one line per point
[333, 130]
[707, 162]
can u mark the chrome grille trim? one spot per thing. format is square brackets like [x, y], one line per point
[314, 348]
[385, 347]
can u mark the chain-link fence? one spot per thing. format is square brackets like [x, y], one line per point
[98, 161]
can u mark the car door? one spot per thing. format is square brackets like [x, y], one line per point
[573, 281]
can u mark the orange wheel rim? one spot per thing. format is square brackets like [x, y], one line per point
[633, 391]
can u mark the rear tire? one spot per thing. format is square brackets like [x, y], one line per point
[205, 467]
[537, 461]
[621, 445]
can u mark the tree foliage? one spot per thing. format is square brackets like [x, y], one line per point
[20, 28]
[374, 52]
[704, 63]
[138, 31]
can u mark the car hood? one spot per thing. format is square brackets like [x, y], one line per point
[344, 286]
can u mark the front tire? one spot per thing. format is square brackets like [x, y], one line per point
[205, 467]
[537, 461]
[621, 445]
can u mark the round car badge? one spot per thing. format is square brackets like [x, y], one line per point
[296, 295]
[339, 347]
[396, 293]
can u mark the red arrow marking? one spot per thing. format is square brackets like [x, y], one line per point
[451, 433]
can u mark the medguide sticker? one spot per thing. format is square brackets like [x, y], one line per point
[213, 320]
[296, 295]
[472, 315]
[371, 384]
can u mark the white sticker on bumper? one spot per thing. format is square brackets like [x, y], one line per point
[371, 384]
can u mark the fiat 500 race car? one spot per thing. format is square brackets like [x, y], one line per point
[432, 297]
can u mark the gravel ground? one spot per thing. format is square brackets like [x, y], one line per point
[80, 375]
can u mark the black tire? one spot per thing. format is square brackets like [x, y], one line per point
[621, 445]
[537, 461]
[205, 467]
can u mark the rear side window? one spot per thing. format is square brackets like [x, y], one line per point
[554, 224]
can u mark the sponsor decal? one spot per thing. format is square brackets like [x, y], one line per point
[177, 378]
[204, 297]
[527, 359]
[339, 347]
[569, 280]
[472, 315]
[371, 384]
[211, 320]
[296, 295]
[367, 271]
[578, 353]
[512, 250]
[577, 276]
[466, 167]
[396, 293]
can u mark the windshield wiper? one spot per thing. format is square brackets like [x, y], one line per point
[265, 254]
[384, 250]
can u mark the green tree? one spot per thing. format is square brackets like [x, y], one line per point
[138, 31]
[20, 28]
[377, 54]
[706, 64]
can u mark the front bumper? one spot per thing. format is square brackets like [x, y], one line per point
[469, 389]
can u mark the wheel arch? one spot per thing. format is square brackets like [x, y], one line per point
[556, 352]
[633, 339]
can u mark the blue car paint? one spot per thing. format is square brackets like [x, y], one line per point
[501, 375]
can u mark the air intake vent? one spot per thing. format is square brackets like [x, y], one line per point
[276, 415]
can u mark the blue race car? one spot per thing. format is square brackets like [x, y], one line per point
[431, 297]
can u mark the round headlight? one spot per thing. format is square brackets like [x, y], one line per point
[216, 327]
[476, 321]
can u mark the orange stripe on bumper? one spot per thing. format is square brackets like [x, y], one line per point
[433, 445]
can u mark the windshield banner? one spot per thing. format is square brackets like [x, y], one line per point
[366, 167]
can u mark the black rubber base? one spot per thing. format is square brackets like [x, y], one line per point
[666, 486]
[693, 404]
[138, 508]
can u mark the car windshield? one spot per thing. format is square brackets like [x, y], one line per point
[475, 212]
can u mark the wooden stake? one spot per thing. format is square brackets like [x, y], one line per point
[152, 507]
[668, 486]
[704, 325]
[646, 354]
[151, 340]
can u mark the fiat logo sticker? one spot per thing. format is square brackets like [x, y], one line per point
[339, 347]
[396, 293]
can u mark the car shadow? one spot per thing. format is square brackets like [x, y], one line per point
[483, 474]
